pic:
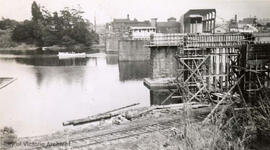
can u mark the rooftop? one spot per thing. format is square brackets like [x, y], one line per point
[199, 11]
[168, 24]
[142, 28]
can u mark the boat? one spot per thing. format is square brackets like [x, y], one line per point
[70, 54]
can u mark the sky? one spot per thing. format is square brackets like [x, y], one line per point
[106, 10]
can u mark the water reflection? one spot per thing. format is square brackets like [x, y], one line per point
[134, 70]
[52, 61]
[66, 75]
[49, 90]
[112, 59]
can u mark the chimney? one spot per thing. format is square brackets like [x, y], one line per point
[154, 22]
[235, 18]
[128, 16]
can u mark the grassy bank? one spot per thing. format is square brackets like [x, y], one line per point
[7, 46]
[6, 42]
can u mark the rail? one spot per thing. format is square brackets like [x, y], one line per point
[171, 39]
[197, 40]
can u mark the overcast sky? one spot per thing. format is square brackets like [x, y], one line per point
[106, 10]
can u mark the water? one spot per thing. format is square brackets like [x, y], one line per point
[49, 91]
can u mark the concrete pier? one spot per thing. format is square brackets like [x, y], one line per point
[164, 68]
[133, 50]
[112, 44]
[163, 62]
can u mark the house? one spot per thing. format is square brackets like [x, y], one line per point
[122, 26]
[221, 28]
[142, 33]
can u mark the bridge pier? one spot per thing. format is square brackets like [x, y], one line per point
[164, 68]
[163, 62]
[201, 63]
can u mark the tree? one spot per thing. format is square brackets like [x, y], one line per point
[67, 41]
[7, 24]
[46, 29]
[36, 13]
[23, 32]
[8, 136]
[49, 37]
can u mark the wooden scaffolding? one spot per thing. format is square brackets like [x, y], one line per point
[205, 66]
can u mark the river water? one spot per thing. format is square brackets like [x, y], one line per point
[49, 90]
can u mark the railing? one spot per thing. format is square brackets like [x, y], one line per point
[214, 40]
[173, 39]
[197, 40]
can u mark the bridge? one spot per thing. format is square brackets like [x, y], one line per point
[204, 63]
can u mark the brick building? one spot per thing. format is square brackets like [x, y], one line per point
[171, 26]
[122, 26]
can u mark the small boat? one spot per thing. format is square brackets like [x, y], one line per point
[70, 54]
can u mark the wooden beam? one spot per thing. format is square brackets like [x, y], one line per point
[195, 95]
[220, 102]
[164, 101]
[97, 117]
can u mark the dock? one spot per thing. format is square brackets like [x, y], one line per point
[5, 81]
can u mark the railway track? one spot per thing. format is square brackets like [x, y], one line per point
[88, 141]
[134, 129]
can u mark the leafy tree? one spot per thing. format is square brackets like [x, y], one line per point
[8, 136]
[49, 37]
[64, 28]
[23, 32]
[67, 41]
[7, 24]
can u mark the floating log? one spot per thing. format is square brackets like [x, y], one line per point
[101, 116]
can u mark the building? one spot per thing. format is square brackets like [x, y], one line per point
[221, 28]
[199, 21]
[250, 20]
[263, 21]
[142, 33]
[247, 25]
[247, 28]
[171, 26]
[122, 26]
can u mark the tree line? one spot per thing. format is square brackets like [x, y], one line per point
[64, 28]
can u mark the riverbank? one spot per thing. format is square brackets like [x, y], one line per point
[170, 127]
[22, 50]
[22, 47]
[155, 127]
[7, 45]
